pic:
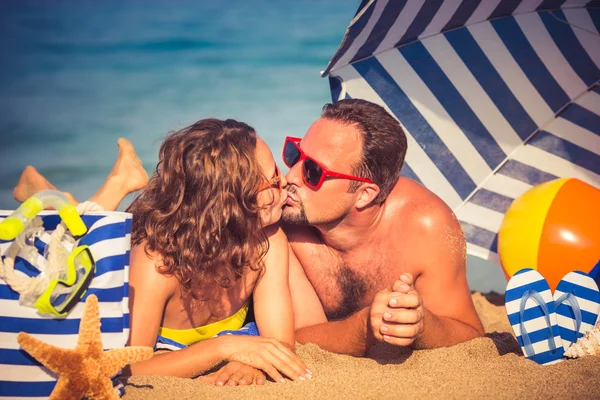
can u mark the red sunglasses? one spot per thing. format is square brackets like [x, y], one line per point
[313, 173]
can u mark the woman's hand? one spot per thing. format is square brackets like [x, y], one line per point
[268, 355]
[235, 373]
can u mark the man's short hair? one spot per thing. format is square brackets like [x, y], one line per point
[384, 142]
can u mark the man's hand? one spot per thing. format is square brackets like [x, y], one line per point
[235, 373]
[396, 315]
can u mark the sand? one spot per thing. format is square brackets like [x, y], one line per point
[489, 367]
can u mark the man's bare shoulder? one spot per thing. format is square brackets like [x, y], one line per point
[418, 207]
[424, 220]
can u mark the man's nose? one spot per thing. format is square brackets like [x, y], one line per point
[294, 175]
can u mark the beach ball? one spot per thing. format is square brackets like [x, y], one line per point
[553, 228]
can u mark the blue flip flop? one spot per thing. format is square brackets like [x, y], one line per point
[577, 304]
[530, 308]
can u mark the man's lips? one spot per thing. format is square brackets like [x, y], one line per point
[291, 199]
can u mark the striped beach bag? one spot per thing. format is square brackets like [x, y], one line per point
[108, 238]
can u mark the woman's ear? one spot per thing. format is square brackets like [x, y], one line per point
[366, 194]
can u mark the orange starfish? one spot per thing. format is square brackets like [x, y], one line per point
[86, 370]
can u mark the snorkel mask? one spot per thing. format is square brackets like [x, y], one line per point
[64, 293]
[65, 274]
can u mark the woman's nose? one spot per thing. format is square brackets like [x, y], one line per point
[284, 181]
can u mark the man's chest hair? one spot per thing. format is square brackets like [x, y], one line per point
[362, 273]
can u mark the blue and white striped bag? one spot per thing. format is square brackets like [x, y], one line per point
[108, 237]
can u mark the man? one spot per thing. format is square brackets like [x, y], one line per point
[376, 257]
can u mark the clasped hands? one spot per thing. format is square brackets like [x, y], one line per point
[396, 314]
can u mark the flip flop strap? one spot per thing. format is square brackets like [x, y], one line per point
[534, 295]
[572, 300]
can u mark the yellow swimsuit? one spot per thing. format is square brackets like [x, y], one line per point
[193, 335]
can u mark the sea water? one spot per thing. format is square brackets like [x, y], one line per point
[77, 75]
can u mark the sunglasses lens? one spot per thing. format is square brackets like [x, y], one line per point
[312, 172]
[291, 154]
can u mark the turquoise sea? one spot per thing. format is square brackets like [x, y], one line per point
[77, 75]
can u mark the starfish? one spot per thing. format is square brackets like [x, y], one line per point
[86, 370]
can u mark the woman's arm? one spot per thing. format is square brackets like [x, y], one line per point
[272, 299]
[149, 292]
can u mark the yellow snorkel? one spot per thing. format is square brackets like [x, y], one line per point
[12, 226]
[66, 269]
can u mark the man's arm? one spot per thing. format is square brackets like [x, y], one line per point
[403, 323]
[444, 332]
[440, 295]
[349, 336]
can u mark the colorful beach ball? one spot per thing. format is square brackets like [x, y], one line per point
[553, 228]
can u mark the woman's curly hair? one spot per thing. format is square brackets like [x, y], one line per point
[199, 210]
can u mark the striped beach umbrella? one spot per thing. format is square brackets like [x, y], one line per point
[496, 96]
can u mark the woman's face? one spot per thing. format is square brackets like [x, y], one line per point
[271, 198]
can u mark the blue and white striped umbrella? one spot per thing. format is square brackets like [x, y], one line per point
[496, 96]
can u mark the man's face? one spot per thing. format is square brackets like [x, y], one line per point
[337, 147]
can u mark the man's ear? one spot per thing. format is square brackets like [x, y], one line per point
[366, 194]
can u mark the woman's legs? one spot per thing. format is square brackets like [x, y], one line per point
[126, 176]
[31, 182]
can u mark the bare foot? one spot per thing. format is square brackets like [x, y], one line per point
[31, 182]
[128, 168]
[127, 175]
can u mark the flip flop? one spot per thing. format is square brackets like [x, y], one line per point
[577, 303]
[530, 308]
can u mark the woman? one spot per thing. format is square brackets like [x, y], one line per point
[205, 242]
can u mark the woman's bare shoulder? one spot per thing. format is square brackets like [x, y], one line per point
[144, 265]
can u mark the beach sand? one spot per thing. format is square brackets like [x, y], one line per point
[490, 367]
